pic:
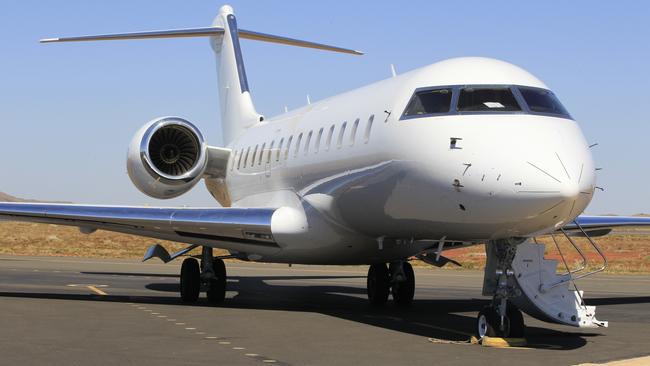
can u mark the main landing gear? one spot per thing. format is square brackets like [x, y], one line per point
[211, 274]
[397, 278]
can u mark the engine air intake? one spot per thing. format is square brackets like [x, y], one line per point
[174, 150]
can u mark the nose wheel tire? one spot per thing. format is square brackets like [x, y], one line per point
[488, 323]
[217, 287]
[378, 284]
[403, 291]
[190, 280]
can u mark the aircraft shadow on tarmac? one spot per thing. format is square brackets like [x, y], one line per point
[434, 318]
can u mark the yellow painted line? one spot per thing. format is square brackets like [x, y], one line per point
[96, 290]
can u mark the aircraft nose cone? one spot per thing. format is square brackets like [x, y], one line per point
[563, 182]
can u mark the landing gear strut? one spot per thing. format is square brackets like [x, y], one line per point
[398, 279]
[501, 318]
[211, 273]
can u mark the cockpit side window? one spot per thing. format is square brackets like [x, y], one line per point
[542, 101]
[429, 102]
[487, 99]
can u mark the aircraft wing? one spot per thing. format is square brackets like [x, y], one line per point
[603, 225]
[238, 228]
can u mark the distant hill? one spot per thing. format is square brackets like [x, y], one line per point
[8, 198]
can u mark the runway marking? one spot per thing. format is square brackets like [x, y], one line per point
[96, 290]
[199, 333]
[224, 342]
[162, 316]
[190, 328]
[155, 313]
[179, 323]
[251, 354]
[269, 361]
[238, 348]
[210, 337]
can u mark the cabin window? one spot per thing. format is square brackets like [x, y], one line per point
[353, 133]
[277, 153]
[542, 101]
[328, 142]
[262, 150]
[297, 148]
[254, 156]
[286, 151]
[268, 156]
[308, 142]
[429, 102]
[339, 141]
[318, 138]
[241, 153]
[248, 150]
[490, 99]
[366, 135]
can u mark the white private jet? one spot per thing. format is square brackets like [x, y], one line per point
[462, 152]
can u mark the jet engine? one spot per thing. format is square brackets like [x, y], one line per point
[167, 157]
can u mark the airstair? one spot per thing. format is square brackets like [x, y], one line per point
[543, 293]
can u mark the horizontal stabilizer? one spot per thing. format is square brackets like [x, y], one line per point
[203, 32]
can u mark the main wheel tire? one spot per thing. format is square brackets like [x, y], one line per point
[378, 284]
[404, 291]
[487, 323]
[217, 287]
[516, 322]
[190, 280]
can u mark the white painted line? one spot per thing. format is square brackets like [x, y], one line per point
[179, 323]
[190, 328]
[162, 316]
[269, 361]
[238, 348]
[640, 361]
[210, 337]
[251, 354]
[155, 313]
[224, 342]
[200, 333]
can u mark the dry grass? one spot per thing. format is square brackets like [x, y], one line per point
[53, 240]
[626, 253]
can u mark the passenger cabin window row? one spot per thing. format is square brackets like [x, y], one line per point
[249, 157]
[483, 99]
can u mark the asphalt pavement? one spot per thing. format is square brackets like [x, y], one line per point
[71, 311]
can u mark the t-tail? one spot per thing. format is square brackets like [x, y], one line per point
[237, 109]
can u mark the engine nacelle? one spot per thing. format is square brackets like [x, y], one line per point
[167, 157]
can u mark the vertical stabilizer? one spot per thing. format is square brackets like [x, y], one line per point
[237, 109]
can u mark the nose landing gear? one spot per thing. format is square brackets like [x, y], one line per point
[397, 279]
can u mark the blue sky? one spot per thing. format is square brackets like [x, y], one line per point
[70, 110]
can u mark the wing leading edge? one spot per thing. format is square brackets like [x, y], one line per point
[218, 227]
[603, 225]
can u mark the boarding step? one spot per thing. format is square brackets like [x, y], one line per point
[547, 295]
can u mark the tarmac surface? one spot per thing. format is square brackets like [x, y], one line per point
[70, 311]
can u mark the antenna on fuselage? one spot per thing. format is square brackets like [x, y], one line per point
[308, 99]
[392, 70]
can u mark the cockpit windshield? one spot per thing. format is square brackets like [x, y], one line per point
[542, 101]
[483, 99]
[478, 99]
[429, 102]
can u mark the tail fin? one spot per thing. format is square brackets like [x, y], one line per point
[236, 105]
[237, 109]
